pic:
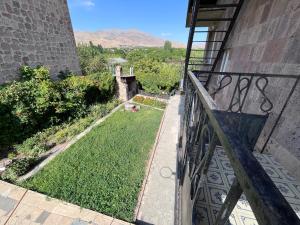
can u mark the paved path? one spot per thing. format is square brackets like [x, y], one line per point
[158, 201]
[19, 206]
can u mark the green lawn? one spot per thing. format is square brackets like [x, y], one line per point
[105, 169]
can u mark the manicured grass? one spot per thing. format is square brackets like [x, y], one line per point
[105, 169]
[150, 102]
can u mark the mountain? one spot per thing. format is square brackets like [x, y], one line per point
[122, 38]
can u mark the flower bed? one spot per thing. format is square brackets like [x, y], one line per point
[150, 102]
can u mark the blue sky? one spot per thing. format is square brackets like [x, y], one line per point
[162, 18]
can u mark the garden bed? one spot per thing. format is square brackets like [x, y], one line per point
[150, 101]
[104, 170]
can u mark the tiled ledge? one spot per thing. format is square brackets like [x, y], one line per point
[19, 206]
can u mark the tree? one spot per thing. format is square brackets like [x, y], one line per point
[100, 48]
[168, 45]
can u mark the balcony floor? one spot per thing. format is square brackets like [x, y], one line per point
[219, 179]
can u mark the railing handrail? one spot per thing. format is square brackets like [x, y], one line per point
[267, 202]
[250, 74]
[205, 97]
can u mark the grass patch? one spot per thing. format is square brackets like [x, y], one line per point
[104, 170]
[150, 101]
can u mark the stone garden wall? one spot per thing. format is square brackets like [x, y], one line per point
[36, 32]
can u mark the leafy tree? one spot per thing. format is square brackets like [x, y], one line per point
[168, 45]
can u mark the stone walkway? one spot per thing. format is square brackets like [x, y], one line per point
[158, 201]
[19, 206]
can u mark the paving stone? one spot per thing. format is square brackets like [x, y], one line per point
[80, 222]
[42, 217]
[7, 204]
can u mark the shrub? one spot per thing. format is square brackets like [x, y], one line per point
[156, 77]
[38, 73]
[10, 126]
[41, 142]
[73, 96]
[91, 59]
[105, 83]
[18, 168]
[30, 103]
[37, 102]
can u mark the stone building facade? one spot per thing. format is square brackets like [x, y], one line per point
[36, 32]
[266, 39]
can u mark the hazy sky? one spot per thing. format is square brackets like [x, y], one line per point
[162, 18]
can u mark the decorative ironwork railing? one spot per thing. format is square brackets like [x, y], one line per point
[256, 93]
[205, 126]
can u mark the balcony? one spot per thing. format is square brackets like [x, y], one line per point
[221, 176]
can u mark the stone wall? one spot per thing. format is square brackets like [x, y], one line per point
[36, 32]
[266, 39]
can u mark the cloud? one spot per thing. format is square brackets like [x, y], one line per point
[83, 3]
[88, 3]
[166, 34]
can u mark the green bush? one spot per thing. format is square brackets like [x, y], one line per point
[106, 84]
[37, 102]
[28, 103]
[156, 77]
[41, 142]
[91, 59]
[18, 168]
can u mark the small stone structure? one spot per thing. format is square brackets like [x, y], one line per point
[127, 85]
[36, 32]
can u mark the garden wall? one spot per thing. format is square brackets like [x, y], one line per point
[36, 32]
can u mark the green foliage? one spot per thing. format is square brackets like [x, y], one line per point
[69, 131]
[168, 46]
[104, 170]
[28, 104]
[41, 142]
[157, 69]
[91, 59]
[106, 84]
[64, 74]
[150, 102]
[38, 73]
[17, 169]
[37, 102]
[156, 77]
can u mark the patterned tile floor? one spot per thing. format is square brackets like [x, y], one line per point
[220, 177]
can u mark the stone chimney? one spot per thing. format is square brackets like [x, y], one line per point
[119, 71]
[127, 86]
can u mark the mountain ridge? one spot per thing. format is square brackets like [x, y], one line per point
[114, 38]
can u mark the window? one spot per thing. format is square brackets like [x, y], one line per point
[224, 64]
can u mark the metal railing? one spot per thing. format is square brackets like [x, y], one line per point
[206, 126]
[256, 93]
